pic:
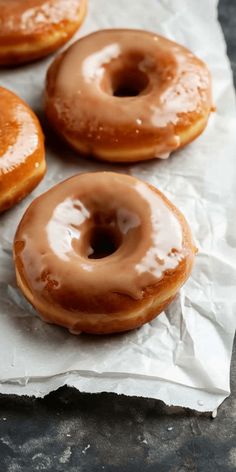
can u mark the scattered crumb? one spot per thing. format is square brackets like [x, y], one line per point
[4, 419]
[214, 413]
[68, 435]
[144, 441]
[85, 449]
[170, 428]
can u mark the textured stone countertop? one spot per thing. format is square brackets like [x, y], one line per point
[74, 432]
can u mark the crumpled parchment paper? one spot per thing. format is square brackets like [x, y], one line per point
[182, 357]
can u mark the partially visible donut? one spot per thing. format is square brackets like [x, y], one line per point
[30, 29]
[22, 154]
[102, 253]
[128, 95]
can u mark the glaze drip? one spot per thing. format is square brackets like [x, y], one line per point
[100, 233]
[126, 88]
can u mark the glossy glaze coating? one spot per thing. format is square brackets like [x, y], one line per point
[22, 159]
[32, 28]
[56, 257]
[118, 91]
[24, 17]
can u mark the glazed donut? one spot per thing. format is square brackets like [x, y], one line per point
[30, 29]
[128, 95]
[22, 155]
[102, 253]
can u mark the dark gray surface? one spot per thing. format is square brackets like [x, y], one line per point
[227, 17]
[70, 431]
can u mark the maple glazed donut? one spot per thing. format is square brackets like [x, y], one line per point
[30, 29]
[22, 153]
[102, 253]
[128, 95]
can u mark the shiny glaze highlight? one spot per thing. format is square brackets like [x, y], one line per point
[21, 147]
[167, 88]
[53, 250]
[31, 29]
[26, 17]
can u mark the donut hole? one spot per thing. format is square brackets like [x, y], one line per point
[104, 241]
[128, 82]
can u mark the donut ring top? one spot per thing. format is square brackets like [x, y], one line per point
[100, 244]
[128, 95]
[22, 154]
[30, 29]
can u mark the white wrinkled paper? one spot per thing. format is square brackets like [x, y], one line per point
[182, 357]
